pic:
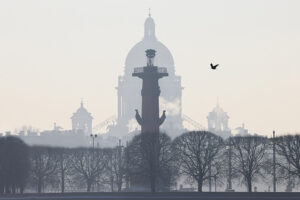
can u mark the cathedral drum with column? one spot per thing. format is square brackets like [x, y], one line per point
[171, 95]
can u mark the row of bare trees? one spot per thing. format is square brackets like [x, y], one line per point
[150, 162]
[60, 168]
[14, 165]
[204, 156]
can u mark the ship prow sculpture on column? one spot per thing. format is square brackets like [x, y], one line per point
[150, 74]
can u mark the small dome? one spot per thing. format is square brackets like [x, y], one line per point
[81, 112]
[218, 112]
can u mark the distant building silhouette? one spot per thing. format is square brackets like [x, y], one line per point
[82, 120]
[129, 99]
[7, 133]
[242, 131]
[55, 137]
[218, 122]
[79, 136]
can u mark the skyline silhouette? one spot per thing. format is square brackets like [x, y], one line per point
[50, 59]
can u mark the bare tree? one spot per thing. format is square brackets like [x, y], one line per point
[219, 169]
[44, 163]
[151, 162]
[88, 165]
[116, 167]
[111, 162]
[249, 157]
[14, 165]
[197, 151]
[64, 166]
[288, 149]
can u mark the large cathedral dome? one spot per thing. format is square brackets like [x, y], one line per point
[129, 95]
[137, 58]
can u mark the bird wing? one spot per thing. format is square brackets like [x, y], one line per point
[162, 118]
[138, 117]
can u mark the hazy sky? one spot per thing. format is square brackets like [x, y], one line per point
[53, 53]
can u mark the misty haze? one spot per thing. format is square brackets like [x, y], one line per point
[148, 99]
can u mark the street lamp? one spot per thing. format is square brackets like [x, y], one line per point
[93, 136]
[229, 148]
[127, 166]
[274, 163]
[120, 149]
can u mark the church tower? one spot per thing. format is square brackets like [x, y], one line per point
[218, 122]
[82, 120]
[129, 99]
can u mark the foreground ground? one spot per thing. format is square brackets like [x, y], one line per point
[163, 196]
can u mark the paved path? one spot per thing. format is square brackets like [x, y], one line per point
[156, 196]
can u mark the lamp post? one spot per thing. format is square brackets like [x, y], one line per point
[93, 136]
[274, 164]
[127, 167]
[209, 165]
[229, 148]
[120, 151]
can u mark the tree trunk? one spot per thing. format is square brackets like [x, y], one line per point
[88, 186]
[62, 181]
[120, 185]
[249, 185]
[112, 183]
[13, 189]
[200, 186]
[152, 184]
[7, 189]
[215, 184]
[1, 188]
[39, 185]
[21, 189]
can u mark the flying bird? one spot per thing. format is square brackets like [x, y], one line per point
[162, 118]
[138, 117]
[214, 66]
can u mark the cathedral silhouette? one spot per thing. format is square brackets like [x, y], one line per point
[128, 90]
